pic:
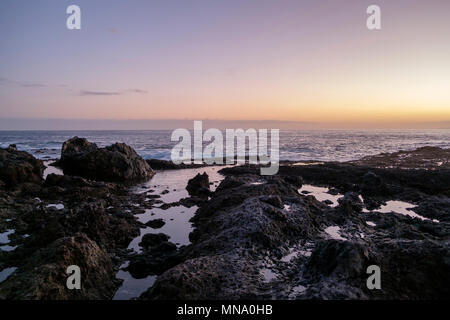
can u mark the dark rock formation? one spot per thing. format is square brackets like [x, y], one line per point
[116, 163]
[61, 222]
[18, 166]
[154, 260]
[44, 277]
[254, 238]
[158, 164]
[199, 185]
[372, 185]
[156, 223]
[351, 202]
[430, 158]
[152, 240]
[246, 234]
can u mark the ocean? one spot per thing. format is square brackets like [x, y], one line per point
[297, 145]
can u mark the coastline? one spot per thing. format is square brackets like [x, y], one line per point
[253, 237]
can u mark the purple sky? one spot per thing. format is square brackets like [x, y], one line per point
[289, 60]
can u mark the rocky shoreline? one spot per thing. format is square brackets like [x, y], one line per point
[254, 237]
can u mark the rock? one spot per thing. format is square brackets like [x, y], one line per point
[192, 201]
[65, 181]
[45, 278]
[156, 223]
[210, 277]
[372, 185]
[275, 213]
[115, 163]
[89, 218]
[152, 240]
[199, 185]
[351, 202]
[333, 191]
[417, 269]
[371, 203]
[158, 164]
[273, 200]
[166, 206]
[18, 166]
[154, 261]
[75, 147]
[340, 259]
[230, 182]
[296, 181]
[245, 243]
[428, 157]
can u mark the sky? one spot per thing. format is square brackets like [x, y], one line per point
[286, 61]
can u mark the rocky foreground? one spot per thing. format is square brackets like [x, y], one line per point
[254, 237]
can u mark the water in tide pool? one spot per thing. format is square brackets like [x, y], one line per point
[324, 145]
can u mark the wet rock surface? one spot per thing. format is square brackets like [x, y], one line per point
[260, 238]
[48, 225]
[159, 164]
[429, 158]
[116, 163]
[254, 237]
[17, 167]
[44, 275]
[156, 223]
[199, 185]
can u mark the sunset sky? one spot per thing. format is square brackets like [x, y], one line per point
[289, 60]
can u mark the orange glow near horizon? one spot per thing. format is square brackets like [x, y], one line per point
[284, 60]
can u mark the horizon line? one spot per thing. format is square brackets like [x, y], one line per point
[83, 124]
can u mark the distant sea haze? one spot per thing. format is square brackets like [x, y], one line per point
[170, 124]
[323, 145]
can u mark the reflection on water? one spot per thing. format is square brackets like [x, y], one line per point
[268, 274]
[334, 233]
[57, 206]
[321, 194]
[176, 218]
[5, 273]
[177, 224]
[132, 287]
[294, 253]
[4, 237]
[400, 207]
[4, 240]
[50, 169]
